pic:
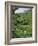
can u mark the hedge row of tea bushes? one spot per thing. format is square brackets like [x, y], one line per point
[21, 25]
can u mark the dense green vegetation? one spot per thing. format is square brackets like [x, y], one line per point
[21, 25]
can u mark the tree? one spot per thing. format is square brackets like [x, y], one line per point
[13, 9]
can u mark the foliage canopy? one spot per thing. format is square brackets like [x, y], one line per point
[21, 25]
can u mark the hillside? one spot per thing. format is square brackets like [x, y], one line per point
[21, 25]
